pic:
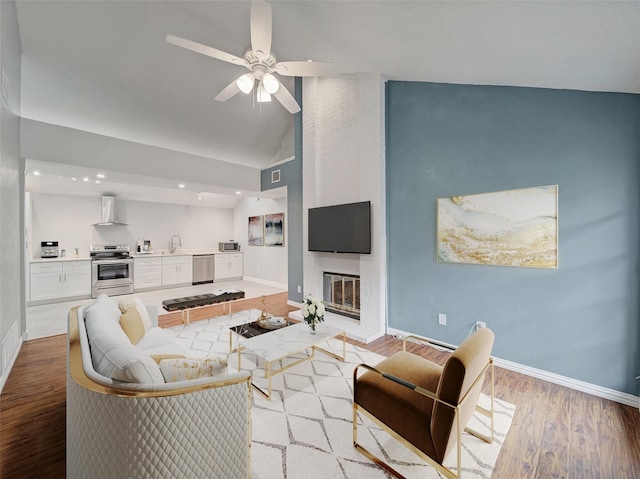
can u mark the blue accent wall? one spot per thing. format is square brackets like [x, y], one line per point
[291, 177]
[580, 320]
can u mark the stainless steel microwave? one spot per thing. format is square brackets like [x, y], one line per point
[229, 246]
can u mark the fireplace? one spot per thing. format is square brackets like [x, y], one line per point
[341, 294]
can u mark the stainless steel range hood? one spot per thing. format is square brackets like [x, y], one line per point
[109, 217]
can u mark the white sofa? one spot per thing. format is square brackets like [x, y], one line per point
[198, 428]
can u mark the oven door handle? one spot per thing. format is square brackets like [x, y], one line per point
[112, 261]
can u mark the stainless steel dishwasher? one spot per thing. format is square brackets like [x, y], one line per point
[203, 268]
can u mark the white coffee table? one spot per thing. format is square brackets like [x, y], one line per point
[281, 343]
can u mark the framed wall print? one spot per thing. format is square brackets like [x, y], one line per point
[274, 229]
[256, 231]
[506, 228]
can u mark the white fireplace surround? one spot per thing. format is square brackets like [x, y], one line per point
[343, 162]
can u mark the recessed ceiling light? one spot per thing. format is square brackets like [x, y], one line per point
[98, 182]
[100, 175]
[85, 179]
[181, 185]
[73, 178]
[36, 172]
[238, 192]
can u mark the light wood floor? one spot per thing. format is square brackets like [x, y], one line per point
[556, 432]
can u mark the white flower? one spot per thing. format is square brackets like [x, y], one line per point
[321, 310]
[312, 309]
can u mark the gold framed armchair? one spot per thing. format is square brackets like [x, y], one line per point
[423, 405]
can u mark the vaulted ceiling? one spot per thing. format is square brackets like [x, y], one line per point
[105, 67]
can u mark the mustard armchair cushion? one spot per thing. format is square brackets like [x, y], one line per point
[404, 411]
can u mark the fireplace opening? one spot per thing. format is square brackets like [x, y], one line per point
[341, 294]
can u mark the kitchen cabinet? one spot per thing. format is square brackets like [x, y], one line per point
[177, 270]
[147, 273]
[228, 266]
[60, 279]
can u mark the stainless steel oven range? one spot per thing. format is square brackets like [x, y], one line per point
[111, 270]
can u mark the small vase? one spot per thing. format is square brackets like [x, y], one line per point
[312, 326]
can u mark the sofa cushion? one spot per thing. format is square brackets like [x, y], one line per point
[175, 370]
[136, 303]
[113, 355]
[157, 341]
[132, 325]
[106, 305]
[159, 357]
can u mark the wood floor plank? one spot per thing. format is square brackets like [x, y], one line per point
[556, 432]
[32, 412]
[553, 453]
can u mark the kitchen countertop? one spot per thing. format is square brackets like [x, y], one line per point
[180, 252]
[66, 258]
[155, 254]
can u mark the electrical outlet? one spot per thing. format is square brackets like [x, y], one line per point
[442, 319]
[299, 289]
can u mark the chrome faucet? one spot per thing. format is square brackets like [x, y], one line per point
[173, 246]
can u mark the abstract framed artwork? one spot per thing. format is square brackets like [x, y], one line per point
[256, 231]
[274, 229]
[505, 228]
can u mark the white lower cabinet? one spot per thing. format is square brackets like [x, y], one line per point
[177, 270]
[60, 279]
[147, 273]
[228, 266]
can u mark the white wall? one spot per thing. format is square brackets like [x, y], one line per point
[266, 264]
[54, 143]
[68, 220]
[343, 162]
[11, 184]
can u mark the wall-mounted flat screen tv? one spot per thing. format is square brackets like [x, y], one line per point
[341, 228]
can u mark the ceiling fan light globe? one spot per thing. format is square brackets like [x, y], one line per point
[263, 95]
[245, 83]
[270, 83]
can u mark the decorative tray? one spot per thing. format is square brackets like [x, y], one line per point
[272, 323]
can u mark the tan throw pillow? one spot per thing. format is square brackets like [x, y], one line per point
[132, 325]
[175, 370]
[136, 303]
[159, 357]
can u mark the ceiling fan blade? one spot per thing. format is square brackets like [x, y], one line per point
[307, 69]
[261, 25]
[205, 50]
[287, 100]
[230, 90]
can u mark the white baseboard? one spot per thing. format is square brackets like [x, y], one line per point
[266, 282]
[11, 345]
[593, 389]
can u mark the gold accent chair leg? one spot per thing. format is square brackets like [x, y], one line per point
[362, 450]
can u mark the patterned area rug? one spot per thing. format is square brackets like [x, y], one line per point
[305, 431]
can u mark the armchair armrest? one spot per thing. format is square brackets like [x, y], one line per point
[401, 382]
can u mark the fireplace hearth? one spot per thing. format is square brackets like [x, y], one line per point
[341, 294]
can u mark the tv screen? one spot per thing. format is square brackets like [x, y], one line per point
[341, 228]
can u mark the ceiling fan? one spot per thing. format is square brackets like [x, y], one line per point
[260, 62]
